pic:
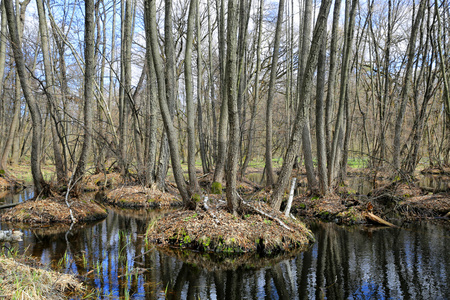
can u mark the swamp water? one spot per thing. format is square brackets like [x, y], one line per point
[356, 262]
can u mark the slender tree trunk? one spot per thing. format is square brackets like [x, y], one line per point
[212, 86]
[193, 7]
[248, 155]
[305, 93]
[89, 80]
[200, 124]
[271, 94]
[150, 10]
[3, 41]
[332, 83]
[39, 182]
[406, 87]
[233, 202]
[320, 125]
[223, 120]
[50, 92]
[305, 106]
[339, 126]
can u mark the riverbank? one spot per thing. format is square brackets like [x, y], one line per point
[20, 280]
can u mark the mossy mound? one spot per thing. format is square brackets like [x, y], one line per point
[333, 208]
[139, 197]
[54, 210]
[216, 230]
[20, 281]
[99, 181]
[216, 188]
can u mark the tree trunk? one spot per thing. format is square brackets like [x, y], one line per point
[233, 202]
[248, 155]
[269, 116]
[89, 80]
[150, 10]
[61, 174]
[406, 87]
[305, 92]
[339, 126]
[193, 182]
[38, 180]
[223, 120]
[320, 125]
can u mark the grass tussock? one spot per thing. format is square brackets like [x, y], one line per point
[140, 197]
[51, 210]
[20, 281]
[216, 230]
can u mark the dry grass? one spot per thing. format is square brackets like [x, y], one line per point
[54, 209]
[101, 180]
[140, 197]
[20, 281]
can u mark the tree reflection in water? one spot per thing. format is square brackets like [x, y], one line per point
[344, 263]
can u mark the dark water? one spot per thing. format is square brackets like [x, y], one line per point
[345, 263]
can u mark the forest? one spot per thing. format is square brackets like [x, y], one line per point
[241, 112]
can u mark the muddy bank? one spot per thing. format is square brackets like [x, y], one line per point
[216, 230]
[19, 280]
[54, 210]
[138, 197]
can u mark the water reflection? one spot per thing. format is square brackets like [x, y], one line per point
[344, 263]
[6, 197]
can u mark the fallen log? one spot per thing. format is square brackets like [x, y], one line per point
[377, 220]
[9, 205]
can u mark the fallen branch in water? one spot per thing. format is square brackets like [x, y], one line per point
[371, 217]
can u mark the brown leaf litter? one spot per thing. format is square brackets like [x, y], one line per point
[54, 209]
[217, 230]
[139, 197]
[99, 181]
[4, 184]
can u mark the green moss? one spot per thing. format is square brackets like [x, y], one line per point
[2, 172]
[190, 217]
[216, 188]
[196, 197]
[150, 200]
[302, 205]
[186, 239]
